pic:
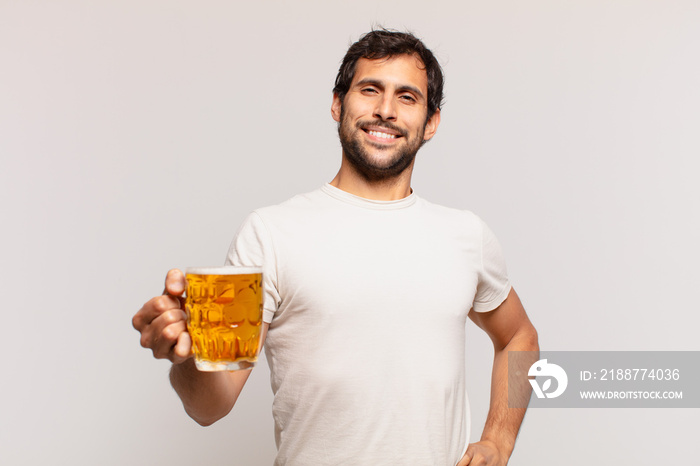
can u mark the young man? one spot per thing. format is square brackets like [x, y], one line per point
[368, 288]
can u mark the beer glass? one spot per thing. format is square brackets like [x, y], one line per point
[224, 316]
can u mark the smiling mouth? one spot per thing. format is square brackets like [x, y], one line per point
[380, 134]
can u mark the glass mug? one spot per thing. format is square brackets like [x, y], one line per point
[224, 316]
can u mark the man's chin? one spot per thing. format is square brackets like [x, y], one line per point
[376, 161]
[379, 169]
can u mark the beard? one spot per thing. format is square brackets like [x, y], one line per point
[375, 167]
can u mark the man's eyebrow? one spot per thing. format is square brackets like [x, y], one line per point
[381, 84]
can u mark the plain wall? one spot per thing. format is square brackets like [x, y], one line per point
[136, 135]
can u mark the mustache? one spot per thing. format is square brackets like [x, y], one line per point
[381, 124]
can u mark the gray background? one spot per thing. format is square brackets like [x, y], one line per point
[136, 135]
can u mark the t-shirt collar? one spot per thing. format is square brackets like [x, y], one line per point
[369, 203]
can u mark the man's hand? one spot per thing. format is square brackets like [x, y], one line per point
[483, 453]
[163, 322]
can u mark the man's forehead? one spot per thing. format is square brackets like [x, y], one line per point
[397, 69]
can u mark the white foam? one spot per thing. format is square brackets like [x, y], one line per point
[223, 270]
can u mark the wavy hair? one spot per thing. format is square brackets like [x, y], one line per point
[384, 43]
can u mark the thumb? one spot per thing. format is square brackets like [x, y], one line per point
[175, 283]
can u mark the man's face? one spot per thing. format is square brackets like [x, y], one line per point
[382, 120]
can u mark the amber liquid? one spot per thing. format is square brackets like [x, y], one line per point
[224, 319]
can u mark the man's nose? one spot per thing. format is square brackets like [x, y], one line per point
[386, 108]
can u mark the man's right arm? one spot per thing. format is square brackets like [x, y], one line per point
[206, 396]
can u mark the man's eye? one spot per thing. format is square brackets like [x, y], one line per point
[369, 90]
[407, 98]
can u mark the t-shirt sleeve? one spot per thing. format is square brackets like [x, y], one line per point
[252, 245]
[494, 286]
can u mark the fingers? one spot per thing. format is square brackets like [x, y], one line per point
[163, 322]
[466, 459]
[167, 329]
[154, 308]
[482, 454]
[182, 349]
[162, 334]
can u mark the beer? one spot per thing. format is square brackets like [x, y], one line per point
[224, 316]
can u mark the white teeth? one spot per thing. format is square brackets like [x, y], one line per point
[382, 135]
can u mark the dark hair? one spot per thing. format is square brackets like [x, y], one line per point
[383, 43]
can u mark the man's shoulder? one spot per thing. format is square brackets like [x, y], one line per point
[294, 206]
[447, 212]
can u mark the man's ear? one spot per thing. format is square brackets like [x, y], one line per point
[335, 107]
[432, 125]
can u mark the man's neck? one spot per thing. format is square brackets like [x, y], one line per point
[391, 189]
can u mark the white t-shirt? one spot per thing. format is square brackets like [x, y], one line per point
[367, 303]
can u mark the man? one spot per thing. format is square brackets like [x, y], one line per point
[368, 288]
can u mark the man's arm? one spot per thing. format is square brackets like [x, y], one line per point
[510, 330]
[206, 396]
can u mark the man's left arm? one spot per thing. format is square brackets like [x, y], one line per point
[510, 330]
